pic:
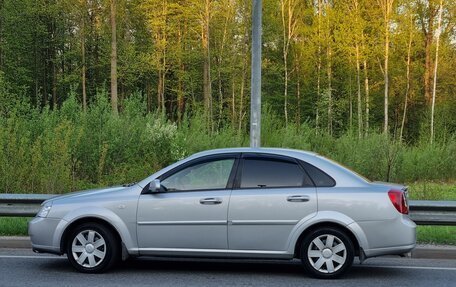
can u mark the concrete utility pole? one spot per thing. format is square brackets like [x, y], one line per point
[255, 92]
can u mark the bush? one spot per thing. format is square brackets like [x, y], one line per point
[56, 151]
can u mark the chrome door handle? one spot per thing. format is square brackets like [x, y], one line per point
[210, 200]
[298, 198]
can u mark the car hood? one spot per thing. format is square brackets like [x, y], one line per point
[86, 193]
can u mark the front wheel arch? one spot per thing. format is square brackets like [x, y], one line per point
[83, 220]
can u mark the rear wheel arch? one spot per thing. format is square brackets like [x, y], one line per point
[340, 227]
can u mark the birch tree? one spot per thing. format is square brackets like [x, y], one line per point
[386, 7]
[288, 9]
[436, 63]
[408, 76]
[113, 58]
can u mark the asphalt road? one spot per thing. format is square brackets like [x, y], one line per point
[19, 267]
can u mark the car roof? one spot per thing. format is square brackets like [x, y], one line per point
[278, 151]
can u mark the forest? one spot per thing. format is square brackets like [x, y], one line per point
[96, 92]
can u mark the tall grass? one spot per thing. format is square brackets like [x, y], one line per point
[56, 151]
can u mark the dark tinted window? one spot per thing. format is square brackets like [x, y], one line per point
[257, 173]
[320, 178]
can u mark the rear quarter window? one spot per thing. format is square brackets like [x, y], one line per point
[319, 177]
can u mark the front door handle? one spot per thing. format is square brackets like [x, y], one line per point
[211, 200]
[298, 198]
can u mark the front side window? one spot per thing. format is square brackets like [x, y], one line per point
[207, 175]
[259, 173]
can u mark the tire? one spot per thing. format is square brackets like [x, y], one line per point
[92, 248]
[327, 253]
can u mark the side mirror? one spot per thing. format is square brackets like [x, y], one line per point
[155, 186]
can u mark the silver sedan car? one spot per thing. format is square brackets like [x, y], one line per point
[260, 203]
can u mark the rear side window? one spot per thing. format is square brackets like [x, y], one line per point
[320, 178]
[263, 173]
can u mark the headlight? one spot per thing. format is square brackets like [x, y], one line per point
[44, 211]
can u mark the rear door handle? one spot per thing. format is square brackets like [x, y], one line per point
[211, 200]
[298, 198]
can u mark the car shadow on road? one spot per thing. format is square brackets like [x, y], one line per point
[227, 267]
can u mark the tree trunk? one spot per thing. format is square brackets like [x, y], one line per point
[366, 91]
[386, 76]
[350, 101]
[159, 90]
[428, 64]
[241, 100]
[329, 74]
[114, 58]
[219, 72]
[83, 55]
[407, 89]
[180, 80]
[148, 96]
[298, 93]
[428, 38]
[386, 6]
[54, 64]
[285, 60]
[318, 68]
[439, 27]
[233, 102]
[207, 90]
[358, 86]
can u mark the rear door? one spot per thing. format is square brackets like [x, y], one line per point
[270, 196]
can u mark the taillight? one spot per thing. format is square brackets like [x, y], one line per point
[399, 201]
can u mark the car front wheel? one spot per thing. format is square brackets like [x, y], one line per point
[92, 248]
[327, 253]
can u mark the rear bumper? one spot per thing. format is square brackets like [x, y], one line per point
[396, 250]
[392, 237]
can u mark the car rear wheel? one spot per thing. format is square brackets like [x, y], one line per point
[92, 248]
[327, 253]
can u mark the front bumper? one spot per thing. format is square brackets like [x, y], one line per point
[42, 232]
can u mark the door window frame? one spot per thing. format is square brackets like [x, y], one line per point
[269, 157]
[201, 160]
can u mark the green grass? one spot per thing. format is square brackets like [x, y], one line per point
[13, 226]
[432, 191]
[436, 234]
[10, 226]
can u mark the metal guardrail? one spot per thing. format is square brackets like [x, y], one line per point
[423, 212]
[430, 212]
[26, 205]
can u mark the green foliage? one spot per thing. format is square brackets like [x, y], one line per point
[436, 234]
[13, 226]
[432, 190]
[56, 151]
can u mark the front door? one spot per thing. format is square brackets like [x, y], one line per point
[191, 211]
